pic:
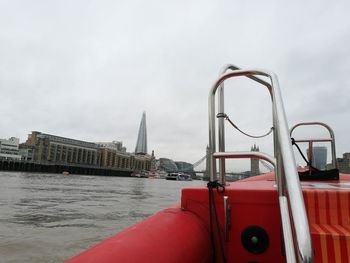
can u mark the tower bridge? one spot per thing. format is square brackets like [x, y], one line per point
[254, 169]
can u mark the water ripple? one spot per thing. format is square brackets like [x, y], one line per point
[51, 217]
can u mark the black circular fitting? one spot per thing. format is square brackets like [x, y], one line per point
[255, 239]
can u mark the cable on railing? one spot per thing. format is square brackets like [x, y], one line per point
[224, 115]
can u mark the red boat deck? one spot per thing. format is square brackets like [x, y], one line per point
[254, 202]
[329, 219]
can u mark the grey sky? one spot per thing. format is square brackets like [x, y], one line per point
[88, 69]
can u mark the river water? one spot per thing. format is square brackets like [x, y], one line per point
[51, 217]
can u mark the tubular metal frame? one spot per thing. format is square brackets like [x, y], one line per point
[221, 121]
[286, 173]
[311, 141]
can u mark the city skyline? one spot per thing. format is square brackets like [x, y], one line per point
[254, 164]
[90, 70]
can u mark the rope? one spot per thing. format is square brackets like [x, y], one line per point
[220, 189]
[224, 115]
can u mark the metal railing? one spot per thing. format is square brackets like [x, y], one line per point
[311, 141]
[295, 225]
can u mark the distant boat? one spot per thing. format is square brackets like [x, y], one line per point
[184, 177]
[153, 175]
[171, 176]
[178, 177]
[65, 173]
[139, 174]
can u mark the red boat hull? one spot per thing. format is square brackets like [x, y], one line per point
[172, 235]
[182, 233]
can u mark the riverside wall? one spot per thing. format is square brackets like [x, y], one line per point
[22, 166]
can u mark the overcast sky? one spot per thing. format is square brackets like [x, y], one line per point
[88, 69]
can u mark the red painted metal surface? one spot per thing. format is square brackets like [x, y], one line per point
[253, 203]
[328, 208]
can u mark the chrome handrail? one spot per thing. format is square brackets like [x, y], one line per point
[286, 172]
[221, 121]
[311, 141]
[247, 155]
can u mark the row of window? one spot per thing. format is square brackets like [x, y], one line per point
[54, 152]
[9, 151]
[68, 141]
[9, 145]
[60, 153]
[112, 160]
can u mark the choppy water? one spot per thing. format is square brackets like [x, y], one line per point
[51, 217]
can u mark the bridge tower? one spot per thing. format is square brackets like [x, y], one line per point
[206, 175]
[254, 163]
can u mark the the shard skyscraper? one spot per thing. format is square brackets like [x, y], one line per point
[141, 145]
